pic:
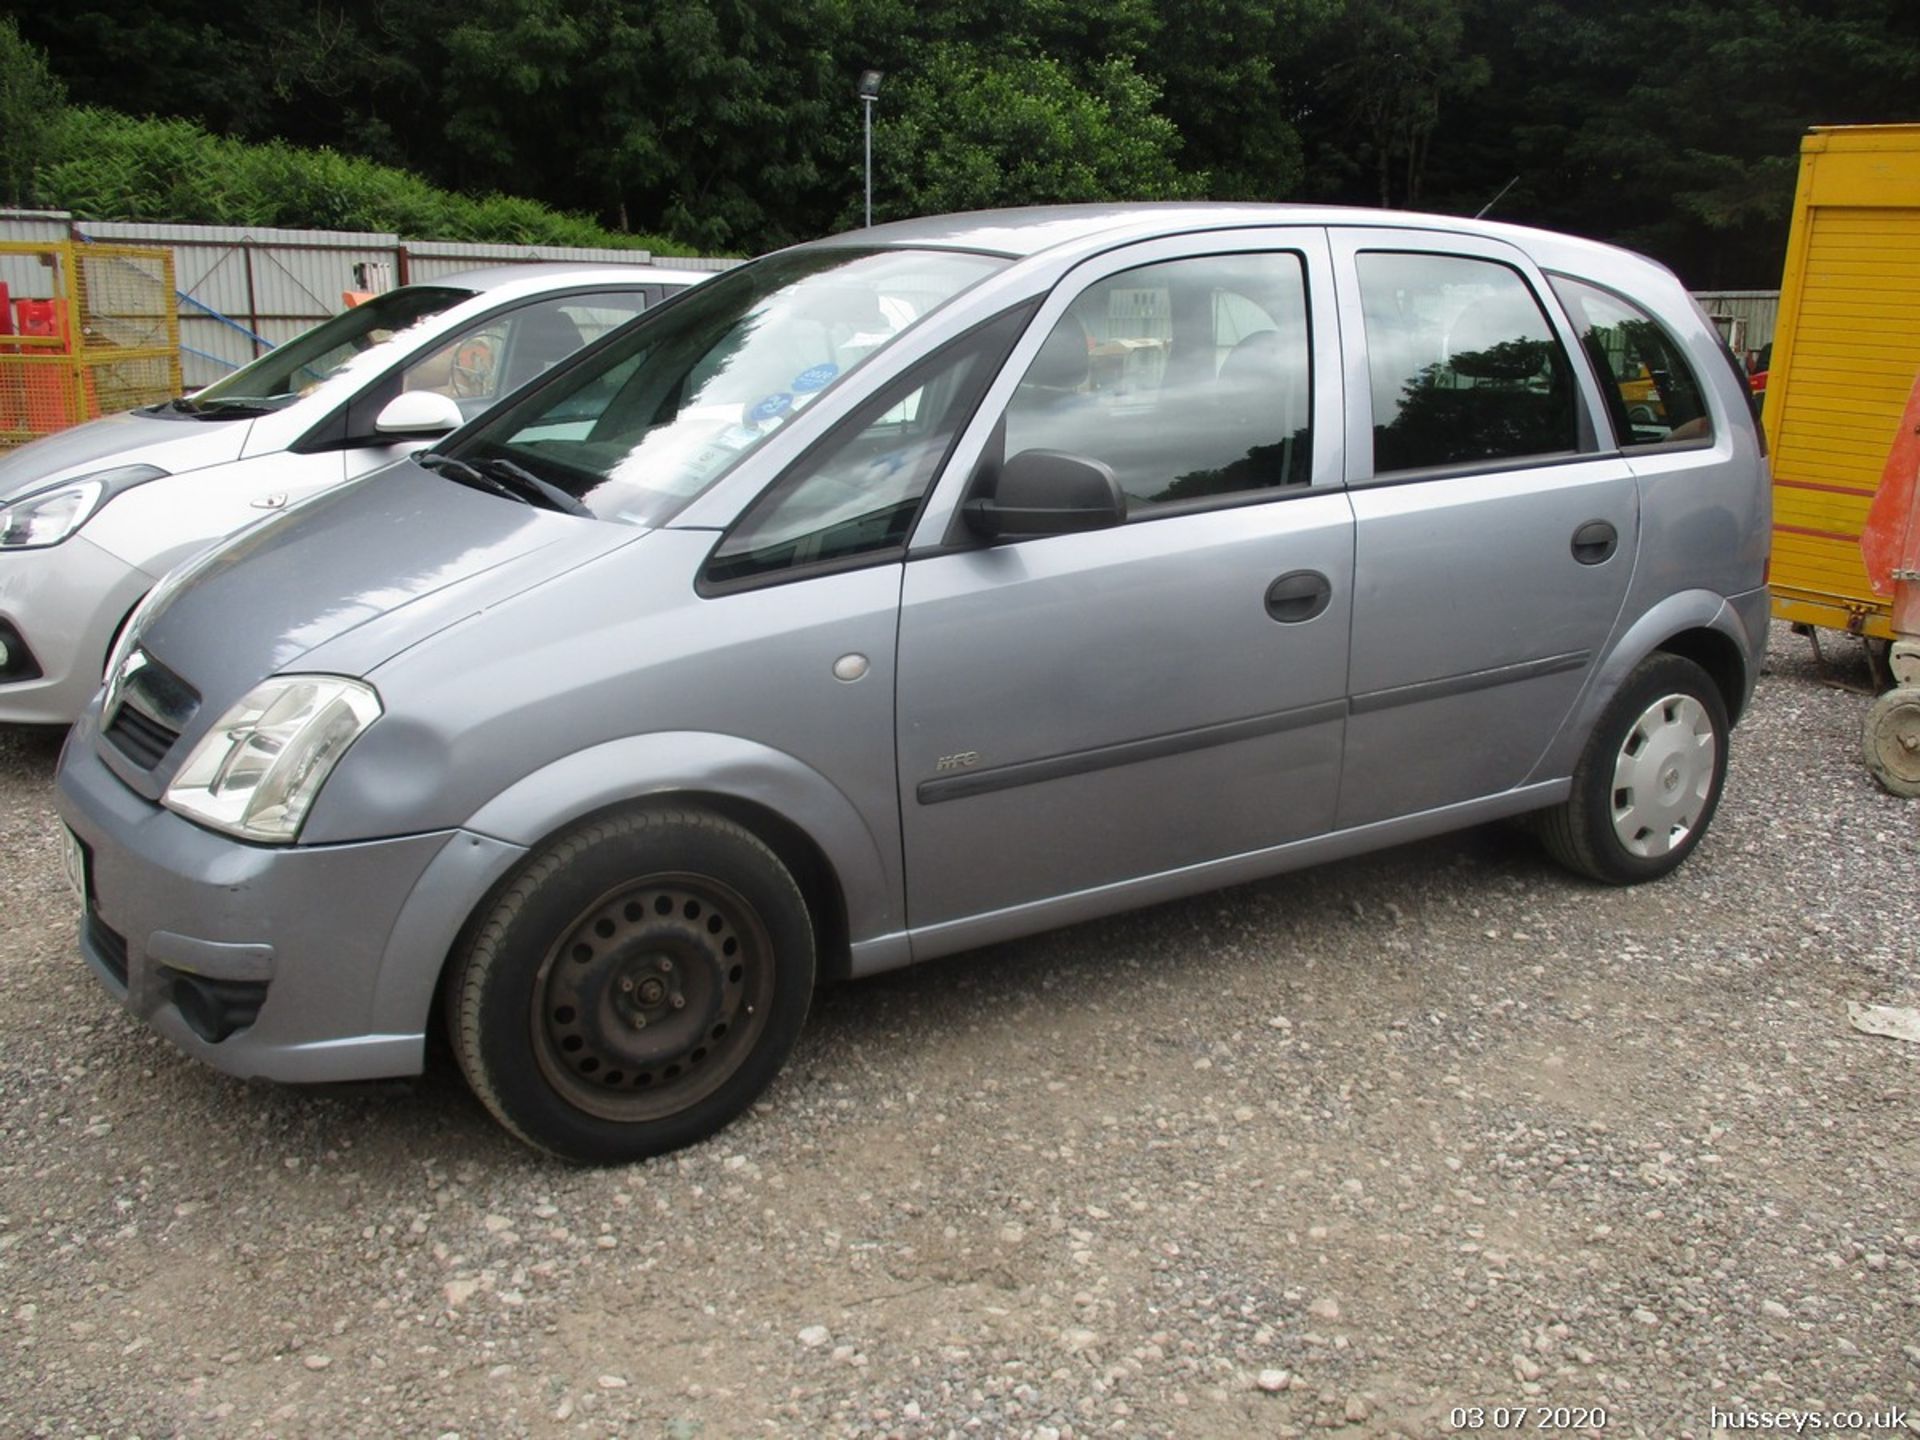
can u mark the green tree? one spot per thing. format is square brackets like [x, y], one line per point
[31, 100]
[967, 131]
[1234, 78]
[1390, 69]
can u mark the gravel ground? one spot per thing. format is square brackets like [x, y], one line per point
[1438, 1128]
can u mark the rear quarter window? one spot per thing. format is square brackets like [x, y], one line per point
[1653, 395]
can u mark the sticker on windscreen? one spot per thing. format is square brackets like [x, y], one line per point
[773, 408]
[815, 377]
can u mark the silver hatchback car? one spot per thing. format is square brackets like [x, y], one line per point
[908, 591]
[91, 517]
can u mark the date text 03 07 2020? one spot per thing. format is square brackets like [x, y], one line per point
[1527, 1417]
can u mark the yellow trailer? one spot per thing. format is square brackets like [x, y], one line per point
[1843, 416]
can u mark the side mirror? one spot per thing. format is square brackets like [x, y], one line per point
[1048, 492]
[419, 412]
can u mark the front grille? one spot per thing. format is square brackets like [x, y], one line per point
[146, 709]
[140, 738]
[108, 944]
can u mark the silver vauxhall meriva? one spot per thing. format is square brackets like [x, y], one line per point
[911, 590]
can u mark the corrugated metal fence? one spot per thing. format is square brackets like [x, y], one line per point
[244, 289]
[1745, 318]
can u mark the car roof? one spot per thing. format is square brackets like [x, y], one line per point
[1037, 229]
[541, 276]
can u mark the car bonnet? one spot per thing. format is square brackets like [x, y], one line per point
[388, 560]
[171, 444]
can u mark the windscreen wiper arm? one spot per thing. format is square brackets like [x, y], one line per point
[530, 485]
[462, 473]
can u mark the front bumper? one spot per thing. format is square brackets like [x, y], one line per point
[338, 946]
[66, 602]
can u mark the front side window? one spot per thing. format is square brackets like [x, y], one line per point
[300, 366]
[499, 354]
[1191, 379]
[682, 398]
[1651, 391]
[1465, 367]
[857, 493]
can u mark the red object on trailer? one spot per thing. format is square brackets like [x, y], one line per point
[1890, 540]
[1890, 546]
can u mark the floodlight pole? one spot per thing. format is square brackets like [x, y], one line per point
[869, 91]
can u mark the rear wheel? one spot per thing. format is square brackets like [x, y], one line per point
[1648, 784]
[635, 987]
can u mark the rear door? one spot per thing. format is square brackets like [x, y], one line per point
[1495, 532]
[1082, 710]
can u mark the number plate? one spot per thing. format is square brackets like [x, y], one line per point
[76, 865]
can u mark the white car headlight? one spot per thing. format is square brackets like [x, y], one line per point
[49, 516]
[255, 773]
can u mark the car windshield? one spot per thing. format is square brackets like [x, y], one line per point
[663, 411]
[288, 371]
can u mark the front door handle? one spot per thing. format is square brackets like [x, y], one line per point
[1299, 595]
[1595, 542]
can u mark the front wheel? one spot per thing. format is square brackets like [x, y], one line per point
[1649, 781]
[635, 987]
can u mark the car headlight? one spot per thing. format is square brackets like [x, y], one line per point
[46, 517]
[256, 773]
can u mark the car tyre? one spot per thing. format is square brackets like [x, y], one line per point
[635, 986]
[1647, 785]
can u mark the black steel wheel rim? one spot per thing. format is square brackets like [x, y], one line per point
[652, 997]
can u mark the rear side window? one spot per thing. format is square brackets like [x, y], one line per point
[1465, 367]
[1652, 393]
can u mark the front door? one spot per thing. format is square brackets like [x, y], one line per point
[1078, 711]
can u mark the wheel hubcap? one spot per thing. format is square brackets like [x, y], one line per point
[653, 996]
[1664, 776]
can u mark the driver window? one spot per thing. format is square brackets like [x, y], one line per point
[858, 491]
[1191, 379]
[480, 365]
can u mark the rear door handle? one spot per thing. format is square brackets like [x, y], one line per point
[1595, 542]
[1299, 595]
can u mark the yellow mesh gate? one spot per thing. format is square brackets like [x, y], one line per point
[85, 330]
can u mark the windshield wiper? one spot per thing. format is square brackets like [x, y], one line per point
[528, 484]
[237, 408]
[462, 473]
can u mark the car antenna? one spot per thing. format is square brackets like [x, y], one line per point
[1496, 199]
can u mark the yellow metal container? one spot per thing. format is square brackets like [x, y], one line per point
[1845, 358]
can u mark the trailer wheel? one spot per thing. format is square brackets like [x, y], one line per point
[1891, 741]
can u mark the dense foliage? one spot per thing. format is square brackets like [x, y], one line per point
[103, 164]
[30, 105]
[1671, 126]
